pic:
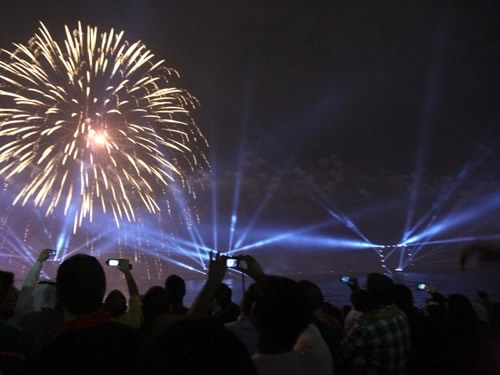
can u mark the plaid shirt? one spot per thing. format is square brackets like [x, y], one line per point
[382, 338]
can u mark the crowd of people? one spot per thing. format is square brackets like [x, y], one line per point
[281, 326]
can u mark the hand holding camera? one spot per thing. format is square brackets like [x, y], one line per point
[46, 254]
[122, 264]
[351, 282]
[249, 266]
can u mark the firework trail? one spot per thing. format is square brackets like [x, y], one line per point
[93, 123]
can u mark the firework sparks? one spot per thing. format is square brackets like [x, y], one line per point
[93, 123]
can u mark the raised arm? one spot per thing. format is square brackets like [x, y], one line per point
[124, 267]
[203, 301]
[25, 300]
[249, 266]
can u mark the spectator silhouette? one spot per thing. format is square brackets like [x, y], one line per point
[467, 335]
[381, 337]
[424, 357]
[155, 307]
[10, 334]
[225, 310]
[330, 328]
[176, 288]
[37, 311]
[89, 341]
[116, 302]
[243, 328]
[35, 294]
[196, 346]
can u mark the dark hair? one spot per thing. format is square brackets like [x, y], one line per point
[115, 303]
[156, 301]
[281, 311]
[196, 346]
[176, 288]
[381, 287]
[81, 284]
[362, 300]
[314, 293]
[223, 295]
[460, 311]
[403, 297]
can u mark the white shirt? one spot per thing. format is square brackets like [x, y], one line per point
[245, 331]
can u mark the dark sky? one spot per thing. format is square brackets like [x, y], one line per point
[347, 94]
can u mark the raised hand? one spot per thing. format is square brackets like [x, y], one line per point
[250, 266]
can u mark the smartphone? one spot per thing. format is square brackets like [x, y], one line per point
[52, 253]
[423, 286]
[232, 262]
[113, 262]
[345, 279]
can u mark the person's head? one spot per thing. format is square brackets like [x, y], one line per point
[156, 302]
[196, 346]
[115, 303]
[281, 312]
[403, 297]
[314, 293]
[362, 300]
[176, 288]
[381, 287]
[460, 310]
[223, 295]
[81, 284]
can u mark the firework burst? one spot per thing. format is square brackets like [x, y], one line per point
[93, 123]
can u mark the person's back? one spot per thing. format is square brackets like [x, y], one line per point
[287, 341]
[381, 337]
[39, 329]
[89, 341]
[467, 338]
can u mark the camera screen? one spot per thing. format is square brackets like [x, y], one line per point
[113, 262]
[345, 279]
[232, 263]
[422, 286]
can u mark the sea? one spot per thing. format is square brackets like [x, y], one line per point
[445, 282]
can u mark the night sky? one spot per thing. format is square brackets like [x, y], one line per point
[316, 103]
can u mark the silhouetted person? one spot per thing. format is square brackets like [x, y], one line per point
[176, 288]
[156, 308]
[225, 310]
[116, 302]
[35, 294]
[329, 327]
[287, 342]
[244, 328]
[380, 341]
[425, 343]
[466, 350]
[89, 341]
[193, 347]
[10, 334]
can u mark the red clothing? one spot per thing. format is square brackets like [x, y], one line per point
[95, 320]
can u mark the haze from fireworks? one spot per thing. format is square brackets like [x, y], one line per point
[94, 123]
